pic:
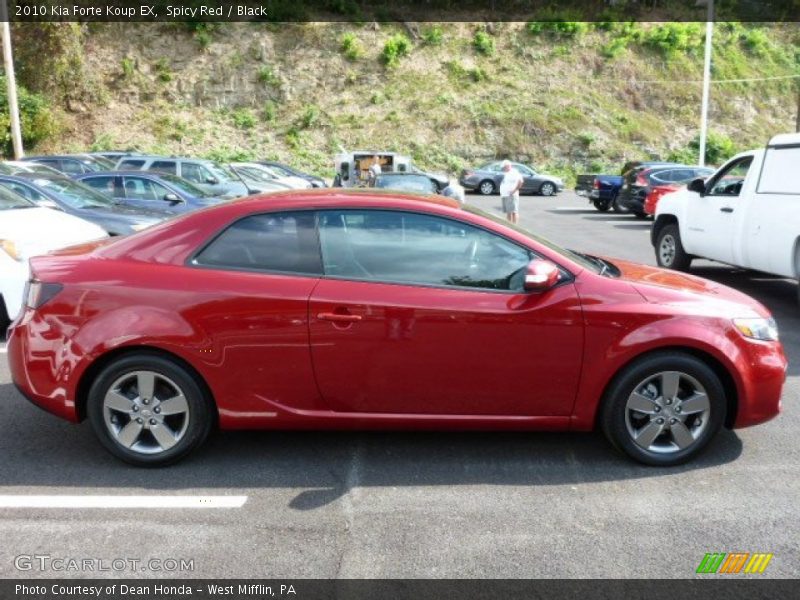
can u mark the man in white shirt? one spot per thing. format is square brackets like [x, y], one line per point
[509, 191]
[374, 170]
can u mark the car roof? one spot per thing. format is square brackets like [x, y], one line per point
[121, 172]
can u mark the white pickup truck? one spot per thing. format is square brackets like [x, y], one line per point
[747, 214]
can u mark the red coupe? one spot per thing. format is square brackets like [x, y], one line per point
[340, 309]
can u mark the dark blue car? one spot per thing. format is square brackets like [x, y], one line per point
[150, 190]
[74, 198]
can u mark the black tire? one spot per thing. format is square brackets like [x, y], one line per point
[616, 205]
[547, 189]
[601, 205]
[613, 412]
[640, 215]
[200, 415]
[487, 187]
[4, 320]
[337, 181]
[669, 249]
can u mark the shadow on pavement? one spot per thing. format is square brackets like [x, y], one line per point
[40, 450]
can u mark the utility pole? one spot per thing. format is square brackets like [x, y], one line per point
[8, 61]
[706, 83]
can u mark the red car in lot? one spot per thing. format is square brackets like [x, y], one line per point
[347, 309]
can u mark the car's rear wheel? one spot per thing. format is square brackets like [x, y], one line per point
[547, 189]
[669, 249]
[664, 409]
[618, 208]
[149, 410]
[486, 187]
[4, 320]
[601, 205]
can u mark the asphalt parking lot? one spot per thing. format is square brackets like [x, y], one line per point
[365, 505]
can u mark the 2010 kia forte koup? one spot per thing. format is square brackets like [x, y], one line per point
[340, 309]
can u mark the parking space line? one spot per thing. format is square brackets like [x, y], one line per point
[57, 501]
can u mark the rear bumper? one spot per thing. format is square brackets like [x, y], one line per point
[632, 202]
[41, 368]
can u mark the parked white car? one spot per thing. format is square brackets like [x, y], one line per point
[262, 174]
[28, 230]
[746, 214]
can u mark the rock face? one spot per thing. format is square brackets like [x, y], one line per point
[291, 92]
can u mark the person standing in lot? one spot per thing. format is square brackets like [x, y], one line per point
[509, 191]
[374, 170]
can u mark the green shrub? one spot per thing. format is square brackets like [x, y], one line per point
[267, 76]
[309, 117]
[37, 121]
[270, 111]
[614, 48]
[674, 38]
[351, 46]
[433, 35]
[128, 67]
[163, 72]
[719, 148]
[558, 27]
[243, 118]
[755, 41]
[395, 48]
[483, 43]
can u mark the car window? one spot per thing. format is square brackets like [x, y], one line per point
[195, 172]
[132, 164]
[523, 169]
[408, 183]
[72, 167]
[185, 186]
[104, 185]
[662, 177]
[285, 242]
[138, 188]
[411, 248]
[74, 194]
[729, 181]
[780, 173]
[27, 192]
[11, 200]
[165, 166]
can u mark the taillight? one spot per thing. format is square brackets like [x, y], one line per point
[37, 293]
[596, 184]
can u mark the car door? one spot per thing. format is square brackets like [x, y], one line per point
[264, 267]
[426, 315]
[108, 185]
[530, 181]
[710, 229]
[143, 192]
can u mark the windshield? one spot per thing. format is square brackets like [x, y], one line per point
[221, 172]
[73, 194]
[187, 187]
[258, 174]
[577, 257]
[10, 200]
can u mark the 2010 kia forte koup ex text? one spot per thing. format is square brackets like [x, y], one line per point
[340, 309]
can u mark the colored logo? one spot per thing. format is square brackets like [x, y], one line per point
[736, 562]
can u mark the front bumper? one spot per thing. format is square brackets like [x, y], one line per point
[762, 377]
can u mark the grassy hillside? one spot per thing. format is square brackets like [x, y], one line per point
[568, 97]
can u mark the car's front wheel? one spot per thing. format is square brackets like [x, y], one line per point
[486, 187]
[149, 410]
[669, 249]
[547, 189]
[664, 409]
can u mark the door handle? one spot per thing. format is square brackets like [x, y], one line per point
[338, 317]
[726, 209]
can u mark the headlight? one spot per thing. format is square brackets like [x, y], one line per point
[11, 249]
[765, 330]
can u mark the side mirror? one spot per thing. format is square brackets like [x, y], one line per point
[540, 275]
[698, 185]
[173, 198]
[212, 180]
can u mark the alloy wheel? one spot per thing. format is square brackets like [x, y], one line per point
[667, 412]
[487, 188]
[547, 189]
[146, 412]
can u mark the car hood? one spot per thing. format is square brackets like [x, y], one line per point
[125, 214]
[40, 230]
[661, 286]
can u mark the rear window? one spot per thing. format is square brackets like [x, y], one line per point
[780, 173]
[283, 242]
